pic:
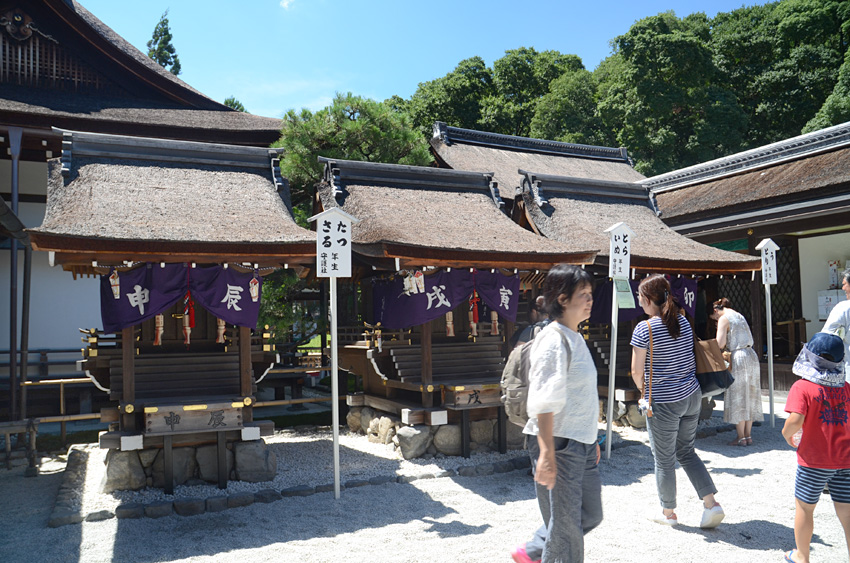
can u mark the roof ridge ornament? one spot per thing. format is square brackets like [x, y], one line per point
[449, 135]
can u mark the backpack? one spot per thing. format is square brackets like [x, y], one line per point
[515, 380]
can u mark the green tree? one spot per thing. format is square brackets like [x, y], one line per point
[836, 108]
[521, 78]
[665, 106]
[160, 48]
[351, 128]
[233, 103]
[454, 98]
[568, 111]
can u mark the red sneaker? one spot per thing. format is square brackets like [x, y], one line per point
[520, 556]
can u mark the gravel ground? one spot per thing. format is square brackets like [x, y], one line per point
[449, 519]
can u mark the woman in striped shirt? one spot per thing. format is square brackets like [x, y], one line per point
[674, 397]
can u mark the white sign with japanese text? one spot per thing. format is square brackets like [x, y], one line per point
[768, 261]
[620, 254]
[333, 243]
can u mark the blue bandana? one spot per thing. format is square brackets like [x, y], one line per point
[812, 367]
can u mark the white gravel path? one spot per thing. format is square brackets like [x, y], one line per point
[455, 519]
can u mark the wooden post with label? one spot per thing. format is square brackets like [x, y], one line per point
[768, 250]
[619, 260]
[333, 260]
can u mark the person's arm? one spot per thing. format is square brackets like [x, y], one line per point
[546, 472]
[792, 424]
[722, 330]
[638, 363]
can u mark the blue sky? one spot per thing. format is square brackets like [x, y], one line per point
[274, 55]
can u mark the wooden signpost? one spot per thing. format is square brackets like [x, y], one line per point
[768, 277]
[333, 260]
[619, 260]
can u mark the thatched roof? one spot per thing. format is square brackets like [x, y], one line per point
[796, 178]
[142, 97]
[429, 216]
[131, 196]
[504, 155]
[578, 210]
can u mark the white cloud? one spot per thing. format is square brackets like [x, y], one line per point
[285, 4]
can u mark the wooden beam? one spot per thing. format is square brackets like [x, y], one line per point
[246, 373]
[128, 377]
[427, 372]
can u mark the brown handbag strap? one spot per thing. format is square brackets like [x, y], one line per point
[649, 385]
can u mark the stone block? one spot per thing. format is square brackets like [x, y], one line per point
[515, 437]
[189, 506]
[503, 466]
[147, 457]
[328, 488]
[240, 499]
[255, 461]
[381, 479]
[485, 469]
[447, 439]
[445, 473]
[353, 419]
[99, 516]
[366, 416]
[356, 483]
[481, 431]
[130, 510]
[634, 417]
[267, 495]
[124, 472]
[216, 503]
[185, 466]
[159, 509]
[64, 517]
[467, 471]
[521, 462]
[298, 491]
[207, 458]
[413, 440]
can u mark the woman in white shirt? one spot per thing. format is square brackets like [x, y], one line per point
[563, 409]
[838, 322]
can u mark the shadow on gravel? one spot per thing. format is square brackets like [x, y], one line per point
[757, 535]
[453, 529]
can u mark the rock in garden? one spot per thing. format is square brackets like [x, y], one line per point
[481, 431]
[255, 461]
[413, 441]
[207, 458]
[634, 417]
[124, 472]
[447, 439]
[353, 419]
[184, 466]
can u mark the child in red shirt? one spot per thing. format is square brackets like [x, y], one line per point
[818, 405]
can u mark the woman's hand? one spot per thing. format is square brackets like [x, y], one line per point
[546, 472]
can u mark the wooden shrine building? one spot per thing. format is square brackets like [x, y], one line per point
[181, 234]
[794, 191]
[428, 238]
[571, 193]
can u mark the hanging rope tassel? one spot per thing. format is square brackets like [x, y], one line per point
[159, 323]
[220, 328]
[473, 313]
[188, 318]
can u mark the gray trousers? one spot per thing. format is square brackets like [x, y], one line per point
[672, 432]
[572, 508]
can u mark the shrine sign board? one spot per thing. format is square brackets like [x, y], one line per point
[333, 243]
[181, 419]
[620, 254]
[768, 250]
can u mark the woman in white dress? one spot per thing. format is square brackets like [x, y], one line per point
[742, 400]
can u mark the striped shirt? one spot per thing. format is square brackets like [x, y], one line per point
[673, 363]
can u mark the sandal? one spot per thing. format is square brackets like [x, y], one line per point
[749, 440]
[741, 442]
[789, 556]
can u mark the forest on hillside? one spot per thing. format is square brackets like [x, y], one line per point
[675, 91]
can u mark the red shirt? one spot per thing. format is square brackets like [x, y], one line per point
[826, 430]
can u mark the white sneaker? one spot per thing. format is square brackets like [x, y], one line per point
[658, 517]
[712, 517]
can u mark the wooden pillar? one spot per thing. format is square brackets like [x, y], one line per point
[128, 378]
[246, 374]
[427, 375]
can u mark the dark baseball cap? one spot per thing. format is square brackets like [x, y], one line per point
[827, 346]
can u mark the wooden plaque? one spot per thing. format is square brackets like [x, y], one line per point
[176, 420]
